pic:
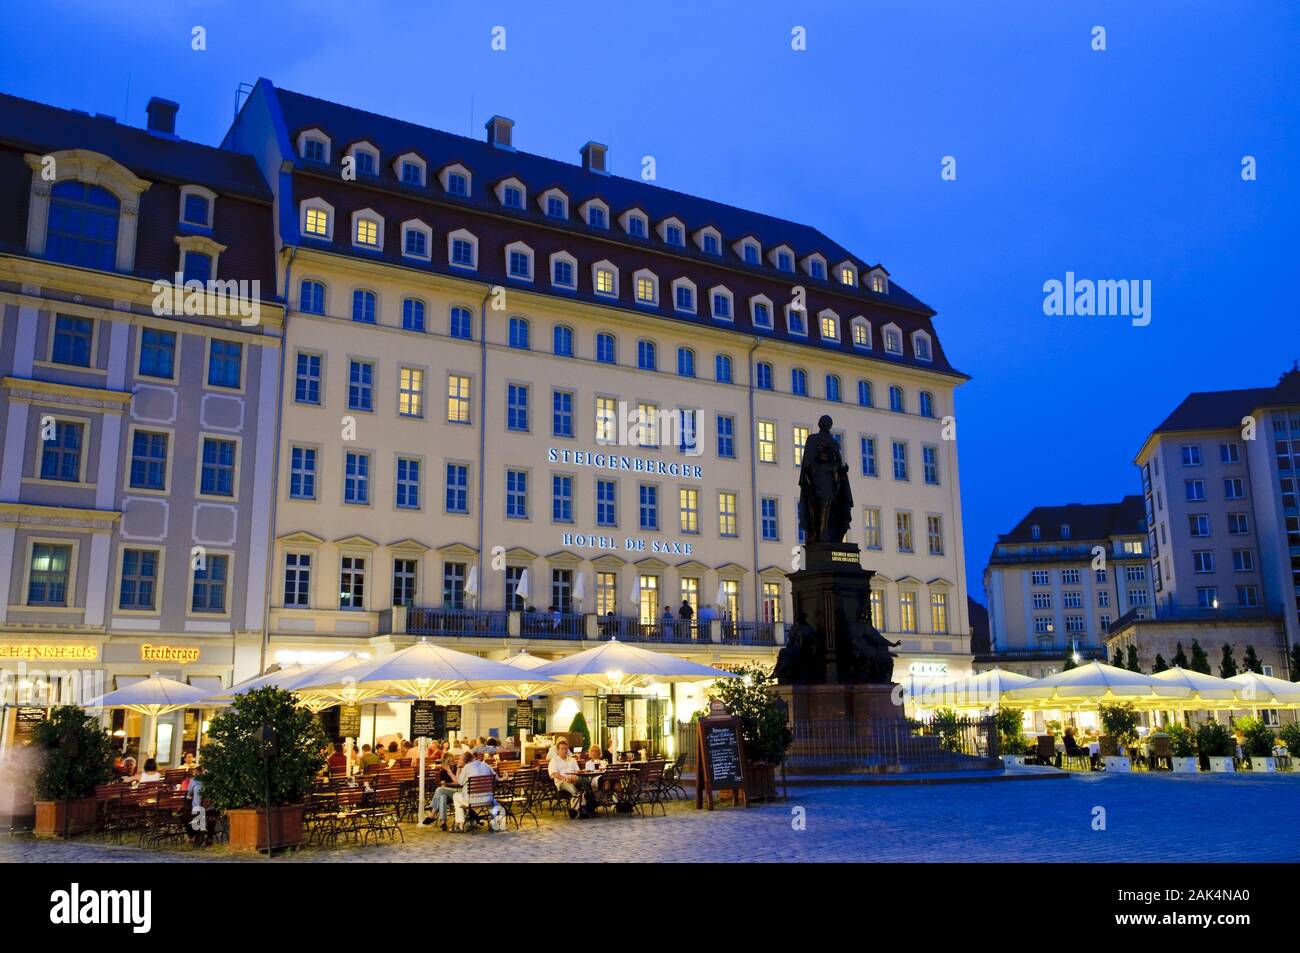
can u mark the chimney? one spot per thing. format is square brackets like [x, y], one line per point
[500, 132]
[162, 116]
[593, 157]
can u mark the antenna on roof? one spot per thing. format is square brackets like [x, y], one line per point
[126, 104]
[471, 116]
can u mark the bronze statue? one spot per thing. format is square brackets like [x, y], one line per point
[873, 663]
[825, 500]
[799, 661]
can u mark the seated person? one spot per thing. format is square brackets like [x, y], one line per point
[472, 766]
[188, 760]
[445, 781]
[119, 767]
[368, 757]
[596, 759]
[563, 771]
[338, 761]
[150, 772]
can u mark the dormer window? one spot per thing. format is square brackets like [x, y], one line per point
[921, 346]
[564, 270]
[1035, 532]
[749, 252]
[795, 322]
[879, 281]
[604, 279]
[1065, 531]
[647, 288]
[417, 240]
[197, 205]
[366, 158]
[784, 261]
[893, 339]
[318, 219]
[721, 301]
[597, 214]
[410, 169]
[673, 236]
[519, 261]
[456, 180]
[862, 334]
[314, 145]
[635, 223]
[368, 229]
[760, 312]
[462, 249]
[196, 266]
[846, 274]
[513, 197]
[815, 265]
[555, 204]
[709, 240]
[684, 295]
[830, 325]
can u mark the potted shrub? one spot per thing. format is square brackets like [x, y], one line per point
[1183, 743]
[1012, 742]
[1258, 745]
[1217, 746]
[245, 773]
[75, 754]
[763, 725]
[1120, 722]
[1290, 736]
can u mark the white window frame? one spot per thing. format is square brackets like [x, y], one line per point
[532, 261]
[371, 215]
[573, 264]
[319, 204]
[695, 295]
[807, 261]
[512, 182]
[771, 313]
[725, 292]
[415, 158]
[634, 212]
[662, 230]
[186, 192]
[636, 287]
[367, 147]
[929, 342]
[544, 201]
[773, 257]
[708, 230]
[585, 211]
[821, 317]
[884, 339]
[788, 330]
[465, 235]
[875, 275]
[606, 265]
[444, 177]
[314, 133]
[860, 322]
[739, 248]
[414, 224]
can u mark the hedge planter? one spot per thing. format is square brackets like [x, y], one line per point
[247, 827]
[81, 814]
[1186, 765]
[1258, 763]
[1222, 765]
[1117, 763]
[760, 781]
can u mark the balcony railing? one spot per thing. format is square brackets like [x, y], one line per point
[748, 633]
[632, 629]
[551, 625]
[455, 623]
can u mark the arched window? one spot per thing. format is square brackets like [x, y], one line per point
[833, 387]
[606, 348]
[363, 306]
[412, 314]
[896, 399]
[519, 333]
[461, 323]
[685, 362]
[799, 382]
[927, 404]
[864, 393]
[763, 375]
[82, 226]
[563, 340]
[722, 368]
[311, 296]
[646, 359]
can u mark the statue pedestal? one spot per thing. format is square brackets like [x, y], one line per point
[839, 703]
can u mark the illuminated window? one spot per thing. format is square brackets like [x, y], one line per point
[727, 514]
[645, 290]
[648, 419]
[907, 611]
[689, 504]
[410, 400]
[848, 276]
[457, 399]
[766, 441]
[367, 232]
[606, 593]
[649, 602]
[318, 222]
[830, 328]
[605, 281]
[772, 602]
[800, 438]
[606, 420]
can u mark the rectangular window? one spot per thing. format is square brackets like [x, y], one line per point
[727, 523]
[769, 523]
[726, 436]
[139, 589]
[903, 527]
[878, 609]
[149, 460]
[307, 374]
[1247, 597]
[210, 578]
[217, 477]
[648, 420]
[457, 399]
[900, 460]
[405, 574]
[766, 441]
[606, 420]
[297, 580]
[1199, 524]
[1243, 560]
[939, 613]
[352, 582]
[457, 488]
[1207, 597]
[1039, 577]
[225, 363]
[871, 527]
[606, 503]
[47, 582]
[516, 494]
[361, 386]
[410, 392]
[689, 505]
[517, 407]
[907, 611]
[562, 590]
[930, 464]
[1072, 600]
[606, 593]
[934, 533]
[1203, 560]
[561, 498]
[1195, 490]
[772, 602]
[1070, 577]
[800, 440]
[356, 478]
[1238, 524]
[413, 308]
[408, 484]
[1234, 488]
[869, 457]
[1042, 600]
[1191, 456]
[157, 353]
[302, 473]
[72, 340]
[562, 413]
[648, 515]
[453, 586]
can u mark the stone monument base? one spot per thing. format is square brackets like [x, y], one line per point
[839, 703]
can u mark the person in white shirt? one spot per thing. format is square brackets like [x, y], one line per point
[596, 759]
[563, 770]
[471, 767]
[150, 772]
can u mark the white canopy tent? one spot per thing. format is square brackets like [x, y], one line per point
[1092, 684]
[982, 690]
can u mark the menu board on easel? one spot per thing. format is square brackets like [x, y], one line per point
[424, 719]
[614, 711]
[524, 715]
[453, 718]
[720, 760]
[349, 721]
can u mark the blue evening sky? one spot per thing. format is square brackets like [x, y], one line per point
[1117, 164]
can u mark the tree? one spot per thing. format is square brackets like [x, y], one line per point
[1133, 664]
[237, 770]
[76, 754]
[1069, 662]
[763, 717]
[1250, 661]
[1160, 664]
[1293, 659]
[1200, 661]
[579, 725]
[1227, 667]
[1120, 722]
[1180, 657]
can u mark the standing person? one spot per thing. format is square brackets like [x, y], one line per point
[563, 771]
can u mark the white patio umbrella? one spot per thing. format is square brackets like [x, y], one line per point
[429, 672]
[635, 595]
[525, 664]
[579, 589]
[1206, 692]
[276, 678]
[616, 665]
[471, 585]
[982, 690]
[1093, 684]
[521, 587]
[1264, 691]
[321, 686]
[720, 600]
[152, 697]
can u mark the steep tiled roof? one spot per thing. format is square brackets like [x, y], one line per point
[1087, 521]
[1223, 409]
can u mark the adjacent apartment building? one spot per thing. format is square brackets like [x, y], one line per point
[472, 328]
[1219, 483]
[1060, 579]
[137, 458]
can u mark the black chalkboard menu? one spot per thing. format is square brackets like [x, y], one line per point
[424, 719]
[614, 711]
[25, 722]
[524, 714]
[720, 762]
[349, 721]
[453, 718]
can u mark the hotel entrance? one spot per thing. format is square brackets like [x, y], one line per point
[638, 720]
